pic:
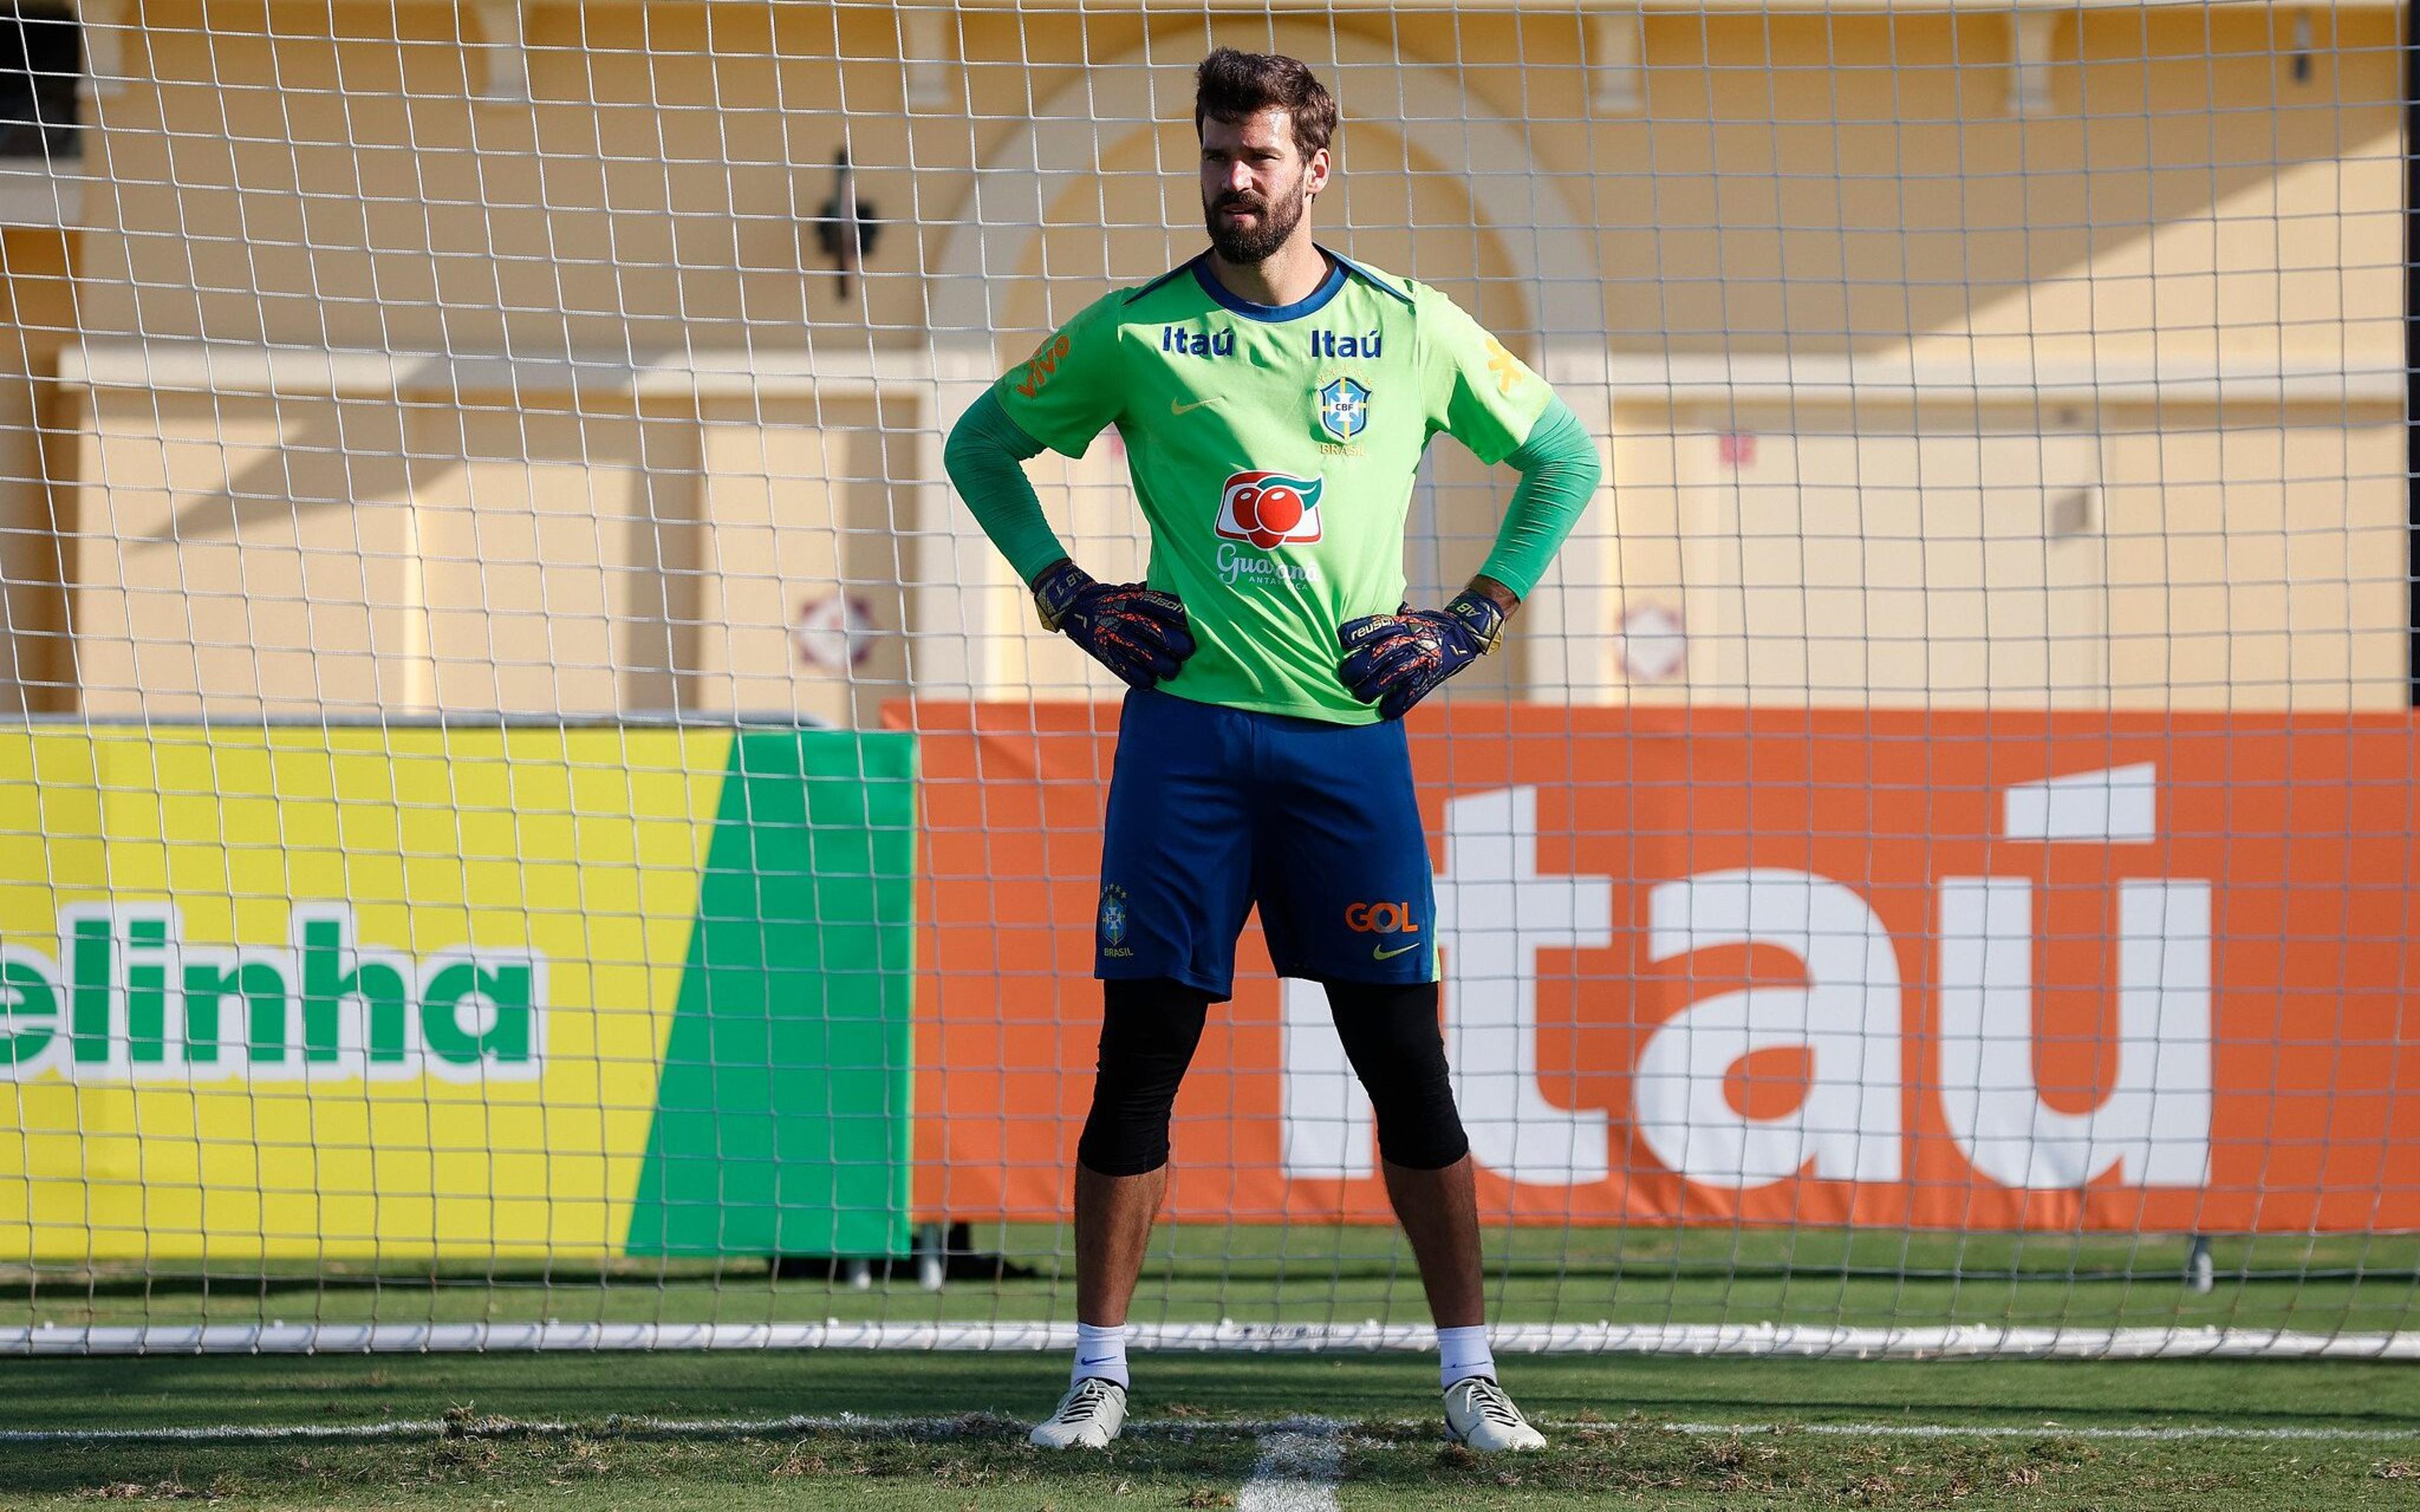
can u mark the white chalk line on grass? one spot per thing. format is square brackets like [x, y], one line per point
[1302, 1461]
[1305, 1447]
[2046, 1430]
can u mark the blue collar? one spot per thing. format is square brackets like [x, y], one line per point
[1316, 299]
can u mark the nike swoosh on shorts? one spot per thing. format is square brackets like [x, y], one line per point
[1177, 408]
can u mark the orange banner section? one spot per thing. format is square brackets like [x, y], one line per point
[1949, 970]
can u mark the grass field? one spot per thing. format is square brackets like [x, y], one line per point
[817, 1429]
[1323, 1273]
[946, 1432]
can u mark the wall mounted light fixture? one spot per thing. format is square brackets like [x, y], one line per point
[845, 228]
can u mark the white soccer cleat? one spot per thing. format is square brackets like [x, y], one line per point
[1090, 1415]
[1478, 1416]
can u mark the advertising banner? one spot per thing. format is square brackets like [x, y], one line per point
[451, 991]
[1949, 969]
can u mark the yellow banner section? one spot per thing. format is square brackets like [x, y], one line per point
[329, 993]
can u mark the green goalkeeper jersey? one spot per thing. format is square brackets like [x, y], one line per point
[1273, 448]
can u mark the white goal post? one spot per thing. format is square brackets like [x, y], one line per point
[535, 820]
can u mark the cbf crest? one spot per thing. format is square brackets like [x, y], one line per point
[1344, 409]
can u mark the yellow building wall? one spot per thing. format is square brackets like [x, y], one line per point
[239, 554]
[1811, 190]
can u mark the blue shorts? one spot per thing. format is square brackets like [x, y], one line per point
[1213, 810]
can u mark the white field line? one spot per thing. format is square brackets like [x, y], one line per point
[1302, 1461]
[1299, 1450]
[1956, 1342]
[2046, 1430]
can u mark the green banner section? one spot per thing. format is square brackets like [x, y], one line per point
[539, 992]
[782, 1119]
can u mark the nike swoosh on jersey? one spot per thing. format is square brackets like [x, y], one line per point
[1378, 953]
[1177, 408]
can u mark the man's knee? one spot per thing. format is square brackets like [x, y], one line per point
[1390, 1035]
[1148, 1033]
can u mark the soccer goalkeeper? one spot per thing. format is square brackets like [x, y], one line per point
[1275, 400]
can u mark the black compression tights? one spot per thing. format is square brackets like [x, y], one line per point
[1390, 1035]
[1148, 1032]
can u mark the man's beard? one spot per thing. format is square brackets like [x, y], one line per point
[1277, 220]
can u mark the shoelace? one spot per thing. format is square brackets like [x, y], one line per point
[1091, 1392]
[1489, 1400]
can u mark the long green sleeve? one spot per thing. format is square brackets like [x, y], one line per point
[986, 455]
[1560, 473]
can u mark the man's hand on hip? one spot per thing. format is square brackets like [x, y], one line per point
[1137, 632]
[1395, 661]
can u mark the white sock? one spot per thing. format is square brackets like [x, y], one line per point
[1462, 1353]
[1102, 1351]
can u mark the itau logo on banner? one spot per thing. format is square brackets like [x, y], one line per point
[1846, 1021]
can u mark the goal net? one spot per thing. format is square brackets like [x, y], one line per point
[534, 818]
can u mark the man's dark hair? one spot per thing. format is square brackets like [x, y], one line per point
[1233, 86]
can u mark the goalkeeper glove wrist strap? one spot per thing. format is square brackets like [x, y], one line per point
[1481, 616]
[1056, 589]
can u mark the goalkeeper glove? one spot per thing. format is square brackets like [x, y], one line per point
[1395, 661]
[1137, 632]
